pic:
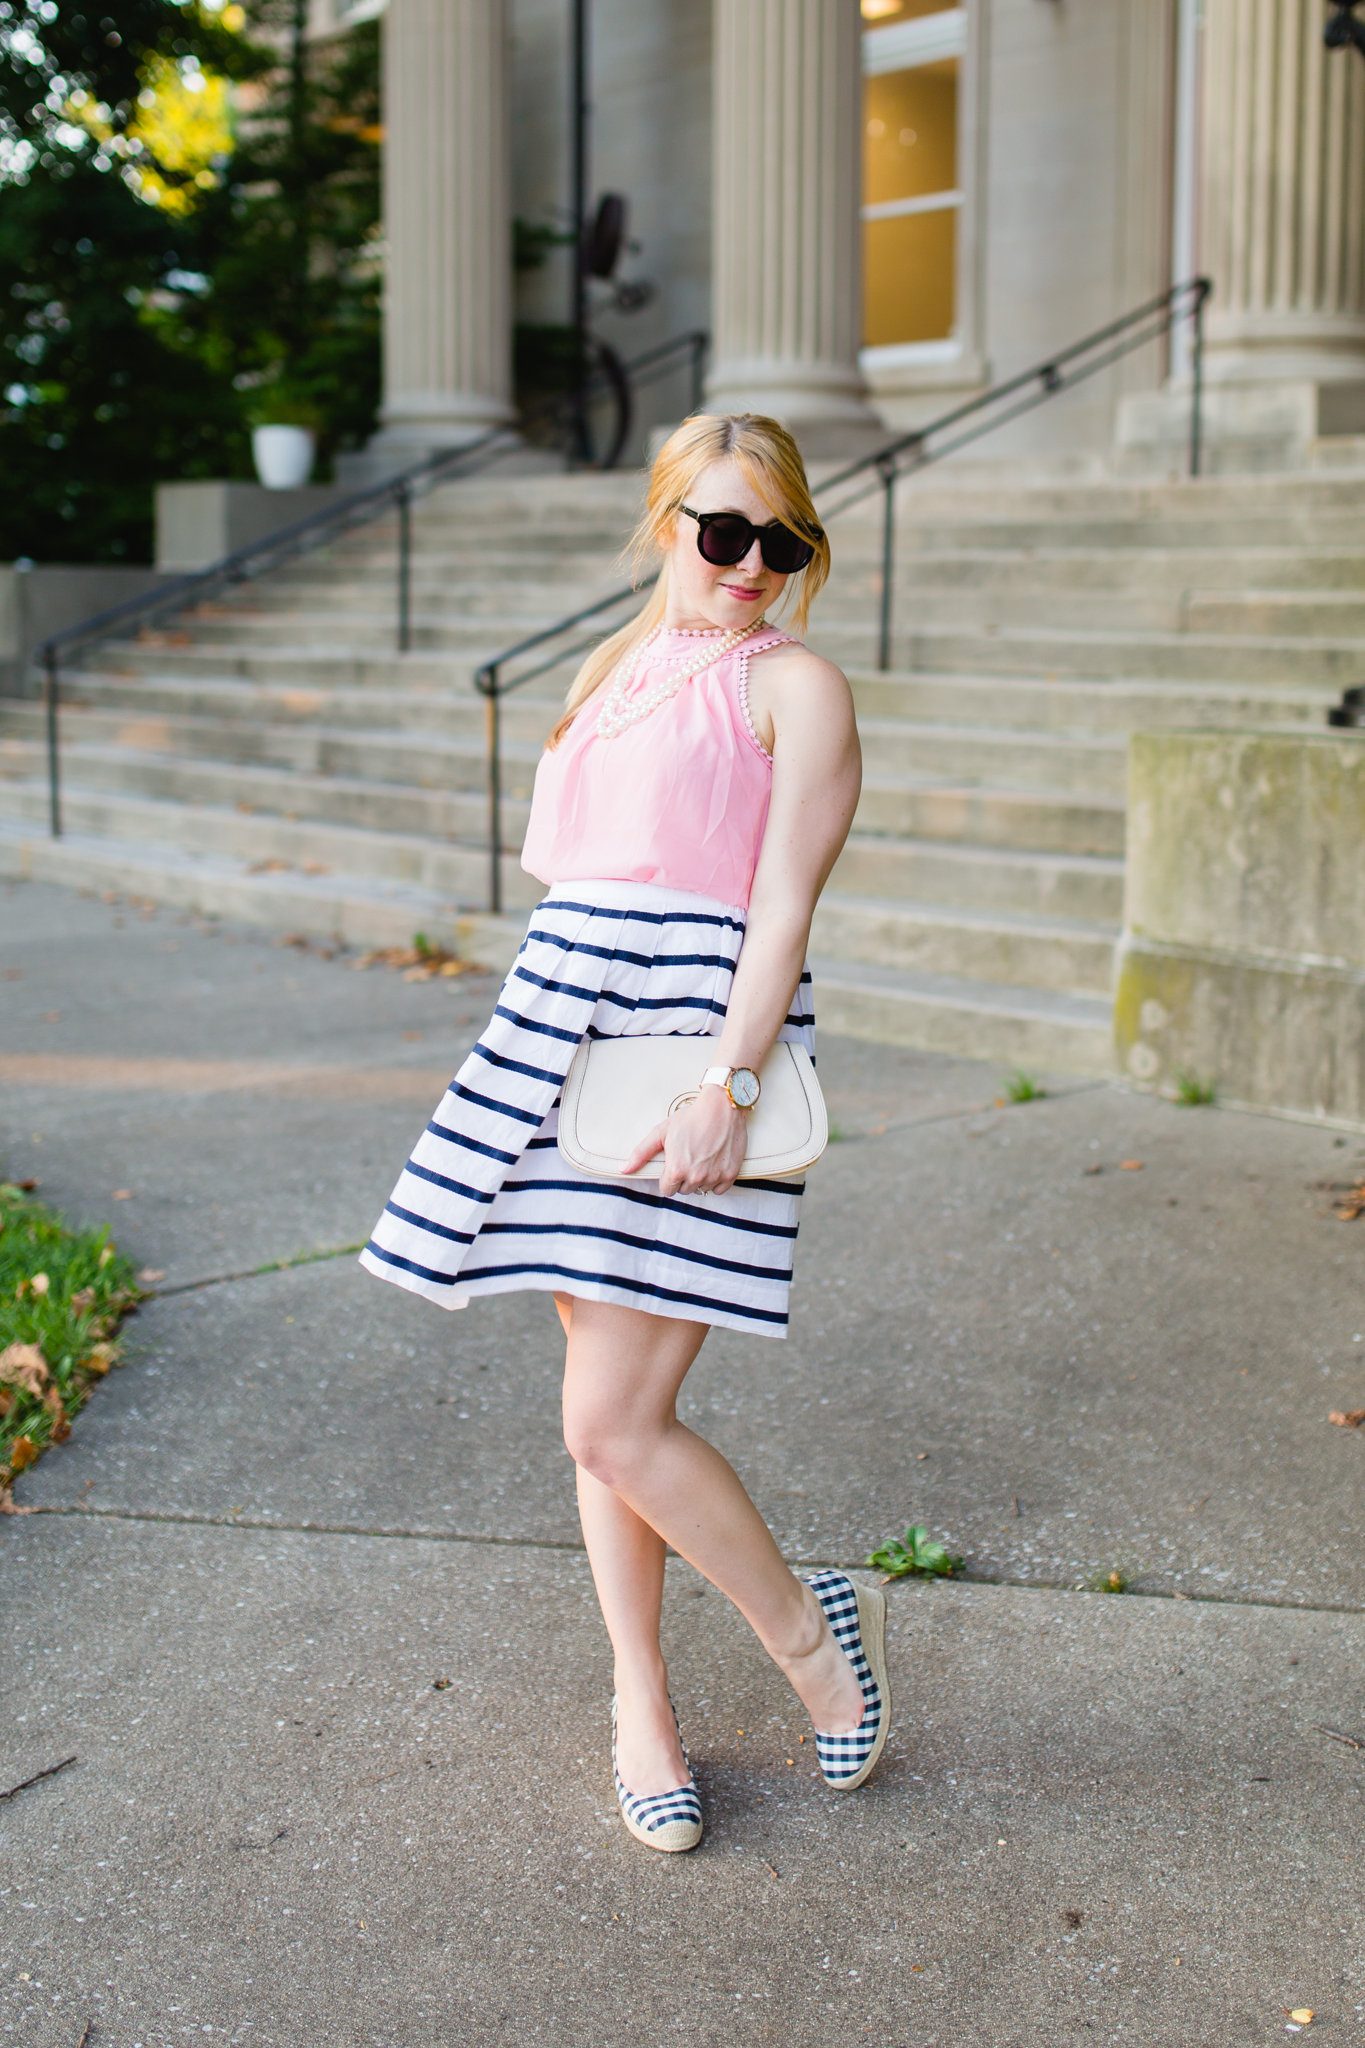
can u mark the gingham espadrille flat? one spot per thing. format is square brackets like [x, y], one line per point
[661, 1820]
[857, 1615]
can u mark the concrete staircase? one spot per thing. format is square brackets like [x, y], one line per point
[271, 758]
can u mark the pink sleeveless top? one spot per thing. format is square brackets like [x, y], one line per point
[679, 798]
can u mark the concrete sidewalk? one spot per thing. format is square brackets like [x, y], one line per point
[309, 1608]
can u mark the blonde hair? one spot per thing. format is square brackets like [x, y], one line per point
[771, 464]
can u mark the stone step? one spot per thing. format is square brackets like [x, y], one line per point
[176, 654]
[355, 912]
[1096, 707]
[449, 752]
[996, 946]
[1297, 526]
[386, 697]
[267, 844]
[1036, 1029]
[430, 760]
[1045, 821]
[1014, 758]
[370, 633]
[1278, 613]
[455, 709]
[455, 807]
[435, 813]
[1178, 657]
[1167, 571]
[1085, 887]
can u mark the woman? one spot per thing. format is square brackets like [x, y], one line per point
[691, 802]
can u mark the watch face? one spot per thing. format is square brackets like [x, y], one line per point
[744, 1087]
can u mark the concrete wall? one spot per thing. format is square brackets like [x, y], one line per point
[35, 602]
[1243, 956]
[199, 522]
[651, 140]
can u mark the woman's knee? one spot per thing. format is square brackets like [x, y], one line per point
[602, 1441]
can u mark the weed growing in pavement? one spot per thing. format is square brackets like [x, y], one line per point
[1111, 1582]
[63, 1294]
[917, 1554]
[1191, 1092]
[1021, 1087]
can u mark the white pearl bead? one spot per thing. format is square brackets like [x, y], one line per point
[620, 709]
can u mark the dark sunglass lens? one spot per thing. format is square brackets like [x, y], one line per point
[726, 539]
[784, 551]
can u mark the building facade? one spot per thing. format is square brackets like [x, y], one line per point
[876, 210]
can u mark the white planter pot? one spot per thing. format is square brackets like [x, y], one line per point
[283, 456]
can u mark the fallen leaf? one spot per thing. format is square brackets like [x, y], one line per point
[105, 1256]
[23, 1366]
[83, 1301]
[26, 1187]
[40, 1285]
[98, 1359]
[1130, 1165]
[1303, 2014]
[149, 1276]
[1350, 1418]
[22, 1452]
[120, 1195]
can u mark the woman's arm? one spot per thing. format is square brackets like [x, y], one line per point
[817, 774]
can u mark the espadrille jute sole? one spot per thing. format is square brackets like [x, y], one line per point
[672, 1838]
[872, 1628]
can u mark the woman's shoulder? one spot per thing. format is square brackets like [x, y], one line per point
[790, 661]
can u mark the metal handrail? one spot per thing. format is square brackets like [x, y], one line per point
[883, 467]
[330, 522]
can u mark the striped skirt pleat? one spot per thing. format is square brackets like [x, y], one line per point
[487, 1203]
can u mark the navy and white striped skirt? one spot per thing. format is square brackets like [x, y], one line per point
[487, 1203]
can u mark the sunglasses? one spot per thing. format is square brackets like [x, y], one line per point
[724, 538]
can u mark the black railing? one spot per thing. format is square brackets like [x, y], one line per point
[317, 529]
[882, 469]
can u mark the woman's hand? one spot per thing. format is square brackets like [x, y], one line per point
[702, 1143]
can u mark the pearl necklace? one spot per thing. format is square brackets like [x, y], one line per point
[620, 709]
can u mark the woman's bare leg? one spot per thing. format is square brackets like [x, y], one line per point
[627, 1559]
[622, 1374]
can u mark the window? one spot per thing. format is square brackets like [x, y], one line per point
[911, 189]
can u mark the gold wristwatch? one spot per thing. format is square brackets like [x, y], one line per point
[741, 1084]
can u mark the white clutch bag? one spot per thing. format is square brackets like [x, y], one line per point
[618, 1088]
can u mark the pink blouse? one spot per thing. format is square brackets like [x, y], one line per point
[679, 798]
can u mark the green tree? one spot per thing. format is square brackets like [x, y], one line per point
[289, 240]
[103, 384]
[150, 301]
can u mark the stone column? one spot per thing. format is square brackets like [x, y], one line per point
[1283, 193]
[1281, 231]
[447, 224]
[786, 226]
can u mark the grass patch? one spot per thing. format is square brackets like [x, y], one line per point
[63, 1294]
[918, 1554]
[1022, 1087]
[1192, 1093]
